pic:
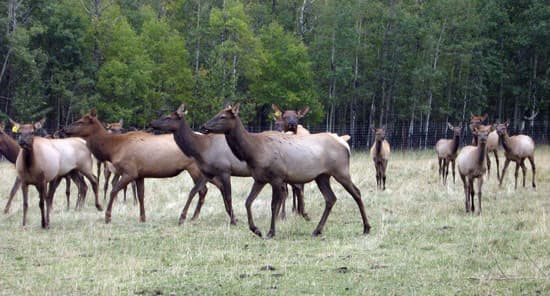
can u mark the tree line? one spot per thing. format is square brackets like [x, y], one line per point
[353, 62]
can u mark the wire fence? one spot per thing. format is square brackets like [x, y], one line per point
[404, 136]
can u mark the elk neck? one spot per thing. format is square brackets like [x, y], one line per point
[99, 143]
[456, 142]
[482, 151]
[9, 147]
[240, 141]
[378, 147]
[505, 139]
[187, 140]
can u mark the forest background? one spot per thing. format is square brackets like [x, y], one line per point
[410, 65]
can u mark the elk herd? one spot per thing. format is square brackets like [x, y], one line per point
[288, 155]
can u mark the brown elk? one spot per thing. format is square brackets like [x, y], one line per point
[135, 155]
[213, 155]
[446, 152]
[517, 148]
[492, 142]
[287, 121]
[471, 166]
[10, 149]
[278, 158]
[380, 153]
[41, 162]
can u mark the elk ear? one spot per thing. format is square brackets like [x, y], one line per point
[507, 122]
[493, 127]
[39, 124]
[235, 109]
[93, 112]
[474, 130]
[450, 125]
[303, 111]
[181, 110]
[14, 123]
[276, 112]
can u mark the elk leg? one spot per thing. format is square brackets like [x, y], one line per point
[82, 188]
[68, 191]
[13, 191]
[516, 175]
[298, 190]
[226, 194]
[276, 198]
[134, 192]
[385, 166]
[123, 181]
[42, 196]
[25, 192]
[445, 171]
[496, 160]
[202, 196]
[99, 171]
[116, 178]
[95, 187]
[488, 165]
[439, 161]
[453, 170]
[323, 182]
[198, 184]
[506, 163]
[52, 186]
[140, 184]
[472, 193]
[532, 161]
[356, 194]
[523, 170]
[466, 192]
[281, 211]
[106, 183]
[479, 185]
[256, 189]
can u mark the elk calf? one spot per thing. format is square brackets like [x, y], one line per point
[471, 166]
[446, 152]
[517, 148]
[380, 153]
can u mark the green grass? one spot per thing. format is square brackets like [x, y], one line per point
[422, 241]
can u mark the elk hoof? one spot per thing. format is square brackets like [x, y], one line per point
[306, 216]
[181, 221]
[107, 218]
[366, 229]
[270, 234]
[256, 231]
[142, 219]
[6, 211]
[316, 233]
[233, 222]
[99, 207]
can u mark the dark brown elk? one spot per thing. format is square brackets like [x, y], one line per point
[380, 154]
[471, 166]
[10, 149]
[42, 162]
[492, 142]
[135, 155]
[277, 158]
[213, 155]
[517, 148]
[446, 152]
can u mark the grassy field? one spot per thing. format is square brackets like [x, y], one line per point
[422, 241]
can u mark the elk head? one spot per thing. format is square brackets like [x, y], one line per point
[170, 122]
[482, 132]
[457, 130]
[502, 128]
[26, 132]
[85, 126]
[288, 120]
[477, 120]
[379, 133]
[115, 127]
[224, 121]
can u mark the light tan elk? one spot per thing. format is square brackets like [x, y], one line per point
[492, 142]
[41, 162]
[10, 149]
[380, 154]
[446, 152]
[278, 158]
[471, 166]
[135, 155]
[517, 148]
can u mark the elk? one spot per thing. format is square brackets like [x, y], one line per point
[446, 152]
[136, 156]
[516, 148]
[380, 153]
[278, 158]
[10, 149]
[492, 142]
[41, 162]
[287, 122]
[212, 154]
[471, 166]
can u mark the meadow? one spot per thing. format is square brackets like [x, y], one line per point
[422, 241]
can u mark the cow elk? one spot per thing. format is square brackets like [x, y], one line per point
[135, 155]
[278, 158]
[492, 142]
[517, 148]
[446, 152]
[471, 166]
[41, 162]
[380, 154]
